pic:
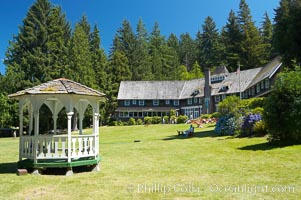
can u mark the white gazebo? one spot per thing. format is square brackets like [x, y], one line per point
[38, 151]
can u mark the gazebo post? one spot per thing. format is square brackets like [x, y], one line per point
[81, 117]
[54, 117]
[36, 133]
[69, 115]
[20, 130]
[30, 118]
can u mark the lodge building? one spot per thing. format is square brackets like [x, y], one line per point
[192, 98]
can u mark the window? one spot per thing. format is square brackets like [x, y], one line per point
[200, 100]
[155, 102]
[267, 84]
[262, 85]
[217, 98]
[253, 91]
[167, 102]
[134, 102]
[141, 102]
[127, 102]
[223, 96]
[195, 100]
[257, 88]
[189, 101]
[175, 102]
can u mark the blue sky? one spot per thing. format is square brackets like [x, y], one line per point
[173, 16]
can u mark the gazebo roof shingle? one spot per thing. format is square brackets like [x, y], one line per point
[59, 86]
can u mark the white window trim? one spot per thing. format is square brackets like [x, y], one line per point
[127, 102]
[189, 101]
[141, 102]
[167, 102]
[134, 102]
[176, 102]
[156, 103]
[217, 98]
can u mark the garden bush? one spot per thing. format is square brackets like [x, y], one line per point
[173, 119]
[205, 116]
[139, 122]
[226, 125]
[259, 128]
[131, 121]
[156, 120]
[216, 115]
[283, 108]
[147, 120]
[248, 123]
[182, 119]
[166, 119]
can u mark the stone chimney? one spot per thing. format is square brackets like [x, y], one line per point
[207, 107]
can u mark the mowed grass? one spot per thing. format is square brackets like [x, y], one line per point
[165, 166]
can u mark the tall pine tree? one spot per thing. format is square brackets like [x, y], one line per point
[231, 38]
[287, 31]
[39, 52]
[81, 69]
[211, 47]
[141, 60]
[251, 45]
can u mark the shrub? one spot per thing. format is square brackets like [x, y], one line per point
[139, 122]
[173, 119]
[283, 108]
[258, 110]
[166, 119]
[206, 116]
[147, 120]
[131, 121]
[226, 125]
[259, 128]
[182, 119]
[249, 121]
[216, 115]
[230, 105]
[156, 120]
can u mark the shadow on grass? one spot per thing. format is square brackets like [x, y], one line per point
[265, 146]
[199, 134]
[8, 168]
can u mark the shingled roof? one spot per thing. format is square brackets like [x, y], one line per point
[59, 86]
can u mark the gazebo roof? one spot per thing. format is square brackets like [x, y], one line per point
[59, 86]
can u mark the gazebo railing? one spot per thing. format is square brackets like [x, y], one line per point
[56, 146]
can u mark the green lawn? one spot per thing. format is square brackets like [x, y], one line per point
[165, 166]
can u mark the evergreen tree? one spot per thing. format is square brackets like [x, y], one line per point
[39, 51]
[141, 60]
[188, 51]
[99, 61]
[196, 72]
[267, 35]
[81, 69]
[156, 43]
[85, 25]
[124, 41]
[251, 45]
[211, 47]
[232, 37]
[287, 31]
[174, 43]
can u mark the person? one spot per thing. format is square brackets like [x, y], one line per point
[189, 131]
[14, 134]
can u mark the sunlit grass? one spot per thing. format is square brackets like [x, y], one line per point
[164, 165]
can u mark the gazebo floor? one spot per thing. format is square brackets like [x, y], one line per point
[58, 163]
